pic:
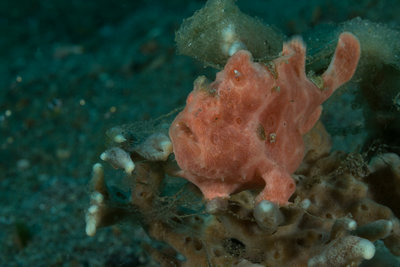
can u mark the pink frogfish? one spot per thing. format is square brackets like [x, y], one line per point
[244, 130]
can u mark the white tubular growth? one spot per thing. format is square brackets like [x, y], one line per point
[230, 41]
[116, 134]
[94, 212]
[119, 138]
[386, 160]
[268, 216]
[118, 158]
[157, 147]
[344, 251]
[342, 226]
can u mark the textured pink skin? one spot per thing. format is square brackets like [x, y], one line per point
[244, 130]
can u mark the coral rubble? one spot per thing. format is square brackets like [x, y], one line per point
[332, 220]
